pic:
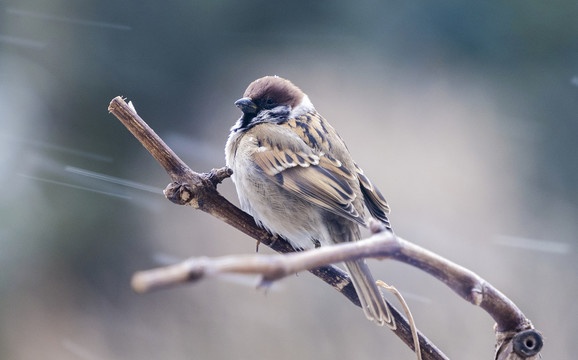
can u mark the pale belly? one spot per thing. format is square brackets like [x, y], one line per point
[281, 212]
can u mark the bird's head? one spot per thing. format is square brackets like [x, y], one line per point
[270, 99]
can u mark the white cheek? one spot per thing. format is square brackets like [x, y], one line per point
[303, 108]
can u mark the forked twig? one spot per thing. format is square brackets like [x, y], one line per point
[516, 338]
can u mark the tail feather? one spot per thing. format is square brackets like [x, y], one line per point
[372, 302]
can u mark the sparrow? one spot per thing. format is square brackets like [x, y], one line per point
[294, 174]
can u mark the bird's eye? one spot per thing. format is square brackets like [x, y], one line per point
[269, 102]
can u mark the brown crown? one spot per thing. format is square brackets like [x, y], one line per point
[280, 90]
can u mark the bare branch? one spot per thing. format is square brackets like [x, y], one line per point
[199, 191]
[464, 282]
[172, 164]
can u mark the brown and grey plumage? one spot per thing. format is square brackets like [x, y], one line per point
[294, 175]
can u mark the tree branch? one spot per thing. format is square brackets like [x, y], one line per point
[516, 338]
[383, 245]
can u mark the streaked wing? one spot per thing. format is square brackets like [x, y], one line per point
[313, 130]
[308, 173]
[374, 200]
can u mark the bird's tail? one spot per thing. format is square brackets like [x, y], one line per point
[372, 302]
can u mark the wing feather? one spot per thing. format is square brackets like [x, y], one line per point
[374, 200]
[310, 174]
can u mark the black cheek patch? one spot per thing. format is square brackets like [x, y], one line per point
[246, 120]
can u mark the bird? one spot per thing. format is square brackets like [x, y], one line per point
[294, 174]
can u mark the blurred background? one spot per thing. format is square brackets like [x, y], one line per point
[464, 114]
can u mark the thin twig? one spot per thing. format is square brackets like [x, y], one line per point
[464, 282]
[407, 312]
[199, 191]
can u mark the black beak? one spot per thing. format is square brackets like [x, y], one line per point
[246, 105]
